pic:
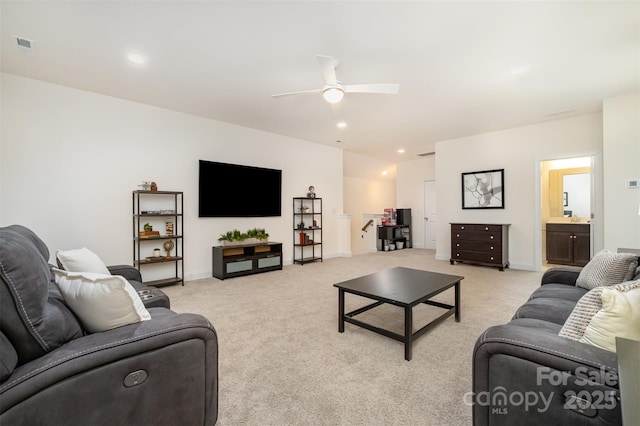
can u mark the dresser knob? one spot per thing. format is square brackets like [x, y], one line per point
[486, 228]
[462, 227]
[457, 245]
[492, 237]
[491, 248]
[457, 254]
[491, 257]
[457, 235]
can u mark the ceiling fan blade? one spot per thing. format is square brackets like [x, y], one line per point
[328, 67]
[297, 93]
[390, 89]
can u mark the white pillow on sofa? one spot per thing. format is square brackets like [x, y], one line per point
[607, 268]
[101, 302]
[587, 307]
[619, 317]
[81, 260]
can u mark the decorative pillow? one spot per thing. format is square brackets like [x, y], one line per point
[607, 268]
[619, 317]
[101, 302]
[81, 260]
[589, 305]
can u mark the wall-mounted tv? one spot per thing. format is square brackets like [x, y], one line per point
[234, 190]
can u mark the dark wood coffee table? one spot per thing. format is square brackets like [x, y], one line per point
[402, 287]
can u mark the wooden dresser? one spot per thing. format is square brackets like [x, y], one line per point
[480, 244]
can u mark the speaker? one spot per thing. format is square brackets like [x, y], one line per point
[403, 216]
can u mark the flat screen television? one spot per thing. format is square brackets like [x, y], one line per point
[234, 190]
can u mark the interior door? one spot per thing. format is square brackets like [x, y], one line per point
[430, 214]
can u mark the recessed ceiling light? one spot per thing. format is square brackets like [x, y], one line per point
[401, 151]
[519, 70]
[342, 125]
[136, 58]
[384, 173]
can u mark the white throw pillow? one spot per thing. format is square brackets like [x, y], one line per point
[619, 317]
[586, 308]
[100, 301]
[607, 268]
[81, 260]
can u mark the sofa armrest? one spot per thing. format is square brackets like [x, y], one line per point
[534, 362]
[164, 370]
[561, 275]
[127, 271]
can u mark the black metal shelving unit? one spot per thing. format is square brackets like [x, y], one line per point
[155, 207]
[307, 230]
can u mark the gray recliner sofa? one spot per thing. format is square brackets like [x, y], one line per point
[524, 373]
[162, 371]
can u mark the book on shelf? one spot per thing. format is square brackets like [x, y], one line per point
[149, 234]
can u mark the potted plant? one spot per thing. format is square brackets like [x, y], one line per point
[236, 237]
[258, 234]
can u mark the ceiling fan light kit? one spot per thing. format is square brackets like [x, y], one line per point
[333, 94]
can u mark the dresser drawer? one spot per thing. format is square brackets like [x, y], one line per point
[489, 247]
[477, 236]
[474, 256]
[475, 227]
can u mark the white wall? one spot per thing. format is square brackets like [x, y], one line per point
[411, 176]
[70, 160]
[518, 151]
[621, 124]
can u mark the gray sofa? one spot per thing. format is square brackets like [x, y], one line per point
[161, 371]
[524, 373]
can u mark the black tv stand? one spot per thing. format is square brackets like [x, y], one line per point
[246, 259]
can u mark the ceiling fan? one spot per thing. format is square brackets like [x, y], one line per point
[334, 91]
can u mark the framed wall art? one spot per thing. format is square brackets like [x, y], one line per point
[483, 189]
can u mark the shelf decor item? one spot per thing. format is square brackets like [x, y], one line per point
[483, 189]
[168, 246]
[252, 236]
[145, 185]
[312, 192]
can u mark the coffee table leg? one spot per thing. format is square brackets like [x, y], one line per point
[408, 332]
[341, 310]
[457, 301]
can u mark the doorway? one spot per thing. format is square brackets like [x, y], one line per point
[430, 214]
[568, 194]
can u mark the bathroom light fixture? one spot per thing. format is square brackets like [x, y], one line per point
[333, 94]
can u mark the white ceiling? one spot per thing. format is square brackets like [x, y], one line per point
[453, 61]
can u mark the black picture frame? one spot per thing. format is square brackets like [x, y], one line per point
[483, 189]
[565, 199]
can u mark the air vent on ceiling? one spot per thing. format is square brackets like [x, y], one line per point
[426, 154]
[24, 44]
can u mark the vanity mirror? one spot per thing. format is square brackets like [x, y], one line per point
[570, 192]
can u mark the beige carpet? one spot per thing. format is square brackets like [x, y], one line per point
[283, 362]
